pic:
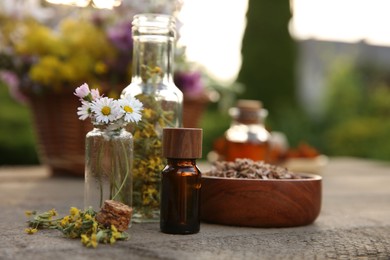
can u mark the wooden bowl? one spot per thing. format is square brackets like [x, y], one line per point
[261, 203]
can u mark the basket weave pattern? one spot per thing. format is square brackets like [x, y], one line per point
[60, 134]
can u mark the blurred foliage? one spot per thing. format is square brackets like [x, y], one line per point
[357, 115]
[17, 145]
[214, 123]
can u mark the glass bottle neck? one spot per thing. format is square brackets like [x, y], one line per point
[108, 129]
[153, 49]
[181, 162]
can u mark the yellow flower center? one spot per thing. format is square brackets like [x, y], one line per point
[106, 110]
[128, 109]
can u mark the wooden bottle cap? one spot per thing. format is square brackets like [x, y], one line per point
[183, 143]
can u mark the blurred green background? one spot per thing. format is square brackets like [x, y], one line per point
[17, 140]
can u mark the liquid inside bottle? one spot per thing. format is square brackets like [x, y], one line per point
[247, 137]
[181, 181]
[180, 207]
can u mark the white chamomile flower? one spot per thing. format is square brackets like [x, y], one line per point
[84, 111]
[131, 107]
[106, 110]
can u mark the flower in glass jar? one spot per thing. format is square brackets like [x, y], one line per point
[129, 106]
[103, 110]
[83, 92]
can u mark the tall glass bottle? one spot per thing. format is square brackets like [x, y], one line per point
[152, 83]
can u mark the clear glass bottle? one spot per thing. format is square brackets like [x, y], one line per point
[152, 83]
[247, 136]
[108, 165]
[181, 181]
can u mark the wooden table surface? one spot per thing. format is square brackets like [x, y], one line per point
[354, 222]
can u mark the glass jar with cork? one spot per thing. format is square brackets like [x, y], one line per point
[247, 136]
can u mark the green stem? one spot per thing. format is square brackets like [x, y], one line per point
[99, 166]
[127, 172]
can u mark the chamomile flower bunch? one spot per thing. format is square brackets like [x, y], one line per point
[114, 113]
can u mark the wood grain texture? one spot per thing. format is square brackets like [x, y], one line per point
[261, 203]
[185, 143]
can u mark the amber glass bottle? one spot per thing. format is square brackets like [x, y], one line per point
[181, 181]
[247, 136]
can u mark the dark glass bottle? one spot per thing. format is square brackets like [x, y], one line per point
[181, 181]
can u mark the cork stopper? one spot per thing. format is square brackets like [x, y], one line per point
[182, 143]
[247, 111]
[249, 105]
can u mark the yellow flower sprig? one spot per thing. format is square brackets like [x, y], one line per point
[78, 224]
[44, 220]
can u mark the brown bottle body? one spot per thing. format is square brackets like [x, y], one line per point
[254, 151]
[180, 197]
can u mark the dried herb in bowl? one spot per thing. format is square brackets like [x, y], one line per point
[249, 169]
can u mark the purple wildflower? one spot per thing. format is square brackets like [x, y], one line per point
[190, 83]
[12, 81]
[120, 36]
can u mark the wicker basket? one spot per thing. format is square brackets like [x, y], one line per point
[60, 134]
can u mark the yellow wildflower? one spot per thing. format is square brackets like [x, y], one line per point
[147, 113]
[115, 233]
[29, 213]
[112, 240]
[84, 239]
[31, 231]
[113, 228]
[89, 241]
[88, 217]
[94, 227]
[78, 223]
[94, 241]
[74, 211]
[65, 221]
[158, 70]
[53, 212]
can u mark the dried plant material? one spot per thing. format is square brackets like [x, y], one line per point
[248, 169]
[78, 224]
[115, 213]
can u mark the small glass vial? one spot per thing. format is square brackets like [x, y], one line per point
[152, 83]
[181, 181]
[247, 136]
